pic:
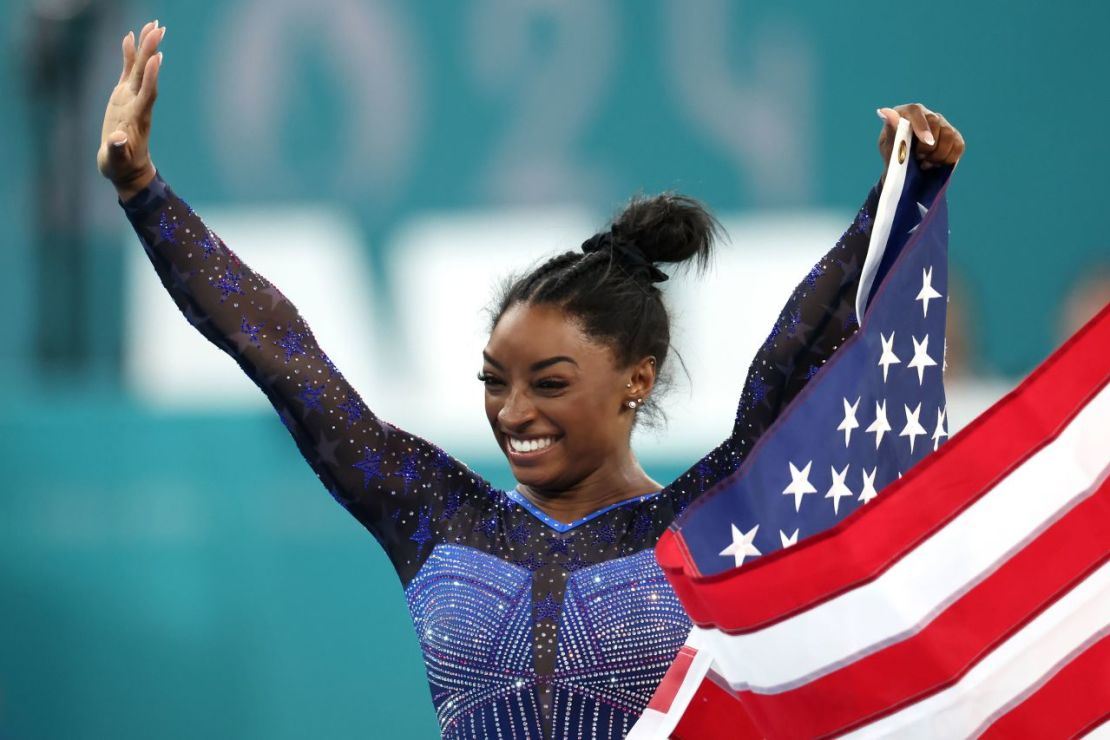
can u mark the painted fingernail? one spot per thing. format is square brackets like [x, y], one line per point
[879, 113]
[119, 143]
[928, 138]
[159, 59]
[156, 23]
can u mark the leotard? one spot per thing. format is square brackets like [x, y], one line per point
[529, 627]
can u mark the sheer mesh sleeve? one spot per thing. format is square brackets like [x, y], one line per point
[398, 486]
[818, 317]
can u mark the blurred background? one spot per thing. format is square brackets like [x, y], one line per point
[169, 567]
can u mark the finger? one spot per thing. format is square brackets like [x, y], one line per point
[147, 48]
[943, 152]
[889, 116]
[957, 140]
[149, 90]
[128, 55]
[920, 122]
[146, 29]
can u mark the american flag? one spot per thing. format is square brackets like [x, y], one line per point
[874, 410]
[971, 596]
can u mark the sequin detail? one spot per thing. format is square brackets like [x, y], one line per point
[530, 627]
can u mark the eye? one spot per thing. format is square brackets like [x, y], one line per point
[489, 380]
[551, 384]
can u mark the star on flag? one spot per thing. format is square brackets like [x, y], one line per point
[799, 484]
[849, 422]
[742, 546]
[927, 293]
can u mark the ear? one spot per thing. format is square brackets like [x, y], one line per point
[642, 378]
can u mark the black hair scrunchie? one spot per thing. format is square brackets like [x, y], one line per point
[629, 255]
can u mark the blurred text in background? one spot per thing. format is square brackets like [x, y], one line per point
[168, 564]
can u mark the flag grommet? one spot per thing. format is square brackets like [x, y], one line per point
[902, 152]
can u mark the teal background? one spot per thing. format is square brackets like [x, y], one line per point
[174, 575]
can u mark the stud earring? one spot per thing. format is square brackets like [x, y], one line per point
[632, 405]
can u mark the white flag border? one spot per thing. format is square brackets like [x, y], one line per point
[893, 184]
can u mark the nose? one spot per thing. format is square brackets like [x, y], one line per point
[517, 411]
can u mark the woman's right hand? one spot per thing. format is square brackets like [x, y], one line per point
[124, 155]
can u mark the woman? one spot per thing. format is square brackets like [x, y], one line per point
[540, 610]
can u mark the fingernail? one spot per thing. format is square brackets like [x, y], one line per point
[928, 138]
[121, 142]
[879, 113]
[156, 23]
[159, 59]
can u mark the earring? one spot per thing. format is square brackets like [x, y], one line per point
[627, 385]
[632, 405]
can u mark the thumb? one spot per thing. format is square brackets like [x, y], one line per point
[119, 150]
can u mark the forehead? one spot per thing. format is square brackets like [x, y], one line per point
[529, 333]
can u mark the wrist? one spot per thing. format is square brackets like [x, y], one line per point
[129, 187]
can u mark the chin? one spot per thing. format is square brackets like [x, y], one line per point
[533, 476]
[543, 477]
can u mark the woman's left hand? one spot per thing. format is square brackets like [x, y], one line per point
[938, 142]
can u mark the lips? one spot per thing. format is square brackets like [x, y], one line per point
[527, 448]
[517, 444]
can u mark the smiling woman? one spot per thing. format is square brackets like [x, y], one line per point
[541, 610]
[575, 350]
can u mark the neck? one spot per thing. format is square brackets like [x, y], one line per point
[596, 491]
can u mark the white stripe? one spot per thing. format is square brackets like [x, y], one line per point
[1102, 732]
[654, 725]
[902, 600]
[1021, 661]
[884, 215]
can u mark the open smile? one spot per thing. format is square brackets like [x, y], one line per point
[525, 449]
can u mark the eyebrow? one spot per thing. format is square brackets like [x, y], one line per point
[552, 361]
[536, 366]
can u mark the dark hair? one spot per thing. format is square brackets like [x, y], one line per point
[610, 286]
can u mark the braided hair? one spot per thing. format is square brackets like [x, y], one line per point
[611, 285]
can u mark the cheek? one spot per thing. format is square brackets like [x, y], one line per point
[493, 408]
[593, 419]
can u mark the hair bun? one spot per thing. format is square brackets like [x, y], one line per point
[668, 228]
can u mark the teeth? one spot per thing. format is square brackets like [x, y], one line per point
[529, 445]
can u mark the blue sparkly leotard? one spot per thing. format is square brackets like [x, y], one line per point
[530, 628]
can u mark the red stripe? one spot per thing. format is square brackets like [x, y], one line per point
[1074, 701]
[715, 713]
[665, 692]
[881, 533]
[955, 641]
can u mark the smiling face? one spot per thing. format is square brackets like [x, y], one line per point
[556, 399]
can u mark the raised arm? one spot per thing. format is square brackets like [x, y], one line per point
[819, 315]
[400, 487]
